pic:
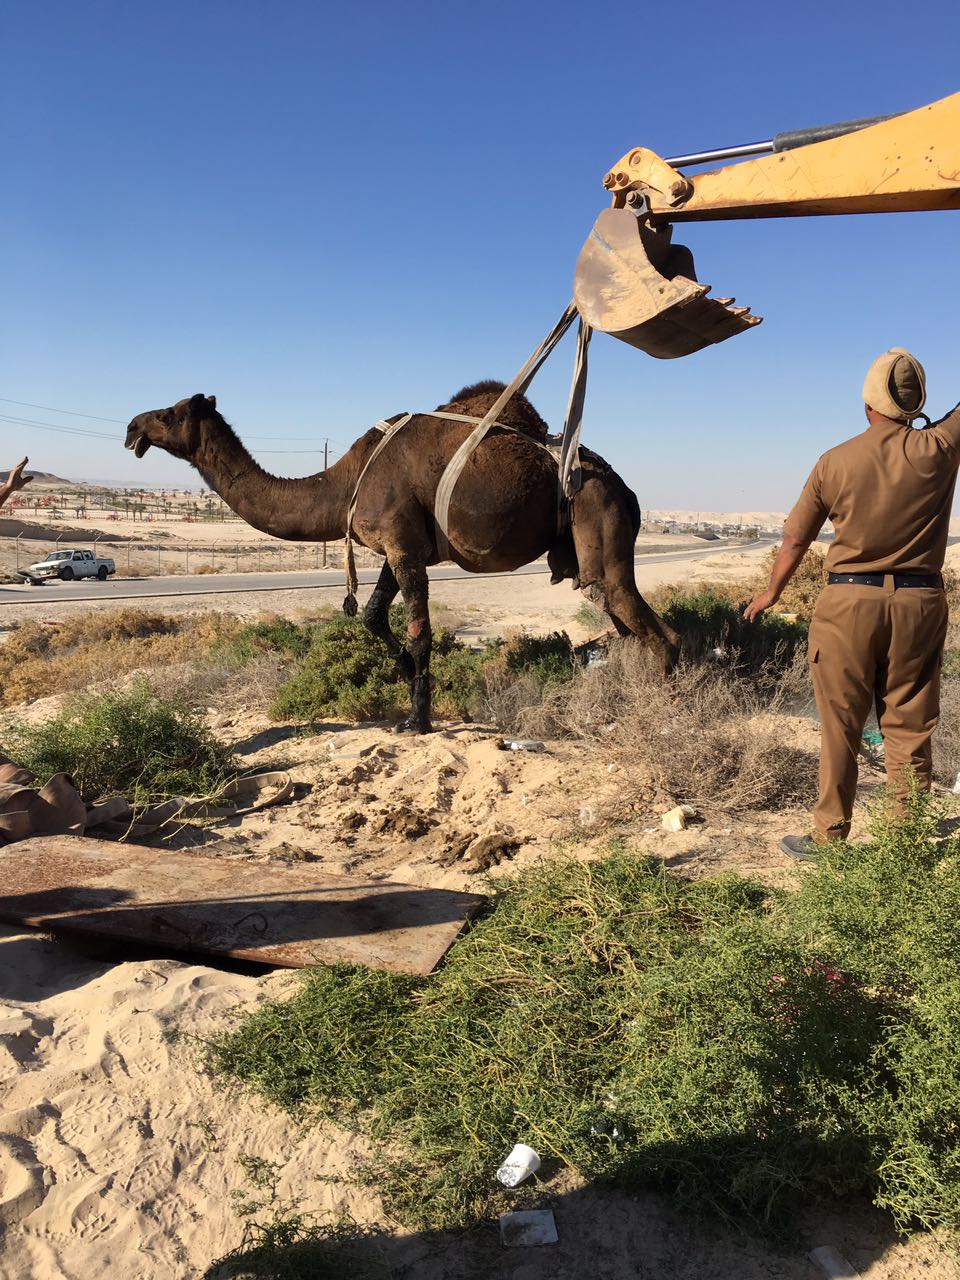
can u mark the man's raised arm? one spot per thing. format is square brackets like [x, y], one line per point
[14, 481]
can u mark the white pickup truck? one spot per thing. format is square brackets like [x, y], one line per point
[68, 564]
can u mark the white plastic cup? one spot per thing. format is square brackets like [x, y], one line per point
[519, 1164]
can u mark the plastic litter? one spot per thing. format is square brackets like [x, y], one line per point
[676, 819]
[519, 1164]
[833, 1264]
[521, 744]
[528, 1227]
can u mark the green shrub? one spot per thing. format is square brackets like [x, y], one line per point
[132, 743]
[276, 635]
[549, 659]
[707, 620]
[751, 1052]
[348, 673]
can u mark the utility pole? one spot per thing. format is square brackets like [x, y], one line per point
[325, 444]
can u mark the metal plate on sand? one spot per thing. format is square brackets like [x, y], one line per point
[272, 913]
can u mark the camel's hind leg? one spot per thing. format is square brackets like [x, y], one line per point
[411, 576]
[606, 521]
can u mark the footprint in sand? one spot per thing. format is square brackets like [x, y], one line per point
[90, 1118]
[135, 1048]
[21, 1035]
[23, 1179]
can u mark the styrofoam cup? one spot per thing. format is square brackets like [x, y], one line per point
[519, 1164]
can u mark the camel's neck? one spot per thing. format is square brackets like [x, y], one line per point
[312, 508]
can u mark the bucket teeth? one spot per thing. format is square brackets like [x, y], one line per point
[633, 283]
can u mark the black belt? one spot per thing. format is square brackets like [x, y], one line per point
[876, 579]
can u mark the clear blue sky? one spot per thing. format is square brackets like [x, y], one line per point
[326, 213]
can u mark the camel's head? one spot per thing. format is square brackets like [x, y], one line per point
[177, 429]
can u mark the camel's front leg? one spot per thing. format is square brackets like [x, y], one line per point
[414, 587]
[631, 615]
[376, 618]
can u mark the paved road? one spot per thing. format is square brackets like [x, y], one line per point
[89, 589]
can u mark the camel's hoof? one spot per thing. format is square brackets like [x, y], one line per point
[414, 726]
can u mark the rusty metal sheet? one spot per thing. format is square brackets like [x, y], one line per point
[271, 913]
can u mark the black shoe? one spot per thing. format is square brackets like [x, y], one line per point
[803, 848]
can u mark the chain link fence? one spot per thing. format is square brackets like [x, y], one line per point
[141, 560]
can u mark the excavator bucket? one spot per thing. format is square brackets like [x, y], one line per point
[633, 283]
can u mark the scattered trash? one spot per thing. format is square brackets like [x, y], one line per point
[676, 819]
[58, 809]
[587, 817]
[519, 1164]
[871, 744]
[956, 786]
[528, 1227]
[521, 744]
[833, 1264]
[613, 1134]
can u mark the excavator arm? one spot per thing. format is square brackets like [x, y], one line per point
[633, 282]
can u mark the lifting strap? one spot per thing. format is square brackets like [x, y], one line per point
[569, 476]
[451, 474]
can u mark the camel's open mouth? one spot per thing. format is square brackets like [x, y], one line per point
[139, 445]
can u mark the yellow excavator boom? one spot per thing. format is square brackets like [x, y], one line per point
[631, 281]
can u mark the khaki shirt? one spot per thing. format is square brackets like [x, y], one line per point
[888, 493]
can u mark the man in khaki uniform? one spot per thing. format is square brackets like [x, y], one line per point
[877, 633]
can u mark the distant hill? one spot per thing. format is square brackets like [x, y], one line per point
[40, 477]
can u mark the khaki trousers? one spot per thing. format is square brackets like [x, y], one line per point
[879, 646]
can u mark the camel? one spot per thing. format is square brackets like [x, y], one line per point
[503, 513]
[15, 480]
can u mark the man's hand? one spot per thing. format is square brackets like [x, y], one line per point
[791, 552]
[759, 604]
[16, 479]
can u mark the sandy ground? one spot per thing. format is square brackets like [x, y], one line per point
[120, 1156]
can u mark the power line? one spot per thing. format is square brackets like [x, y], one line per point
[26, 404]
[49, 426]
[73, 413]
[102, 435]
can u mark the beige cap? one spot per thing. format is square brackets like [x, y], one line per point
[896, 385]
